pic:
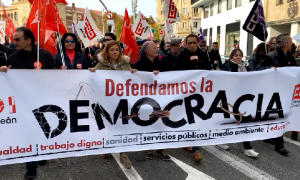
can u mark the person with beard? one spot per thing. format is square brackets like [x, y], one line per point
[73, 57]
[214, 56]
[192, 58]
[25, 57]
[173, 51]
[280, 57]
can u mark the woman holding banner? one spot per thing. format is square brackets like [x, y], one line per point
[111, 58]
[235, 64]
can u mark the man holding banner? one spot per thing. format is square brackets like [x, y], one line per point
[26, 58]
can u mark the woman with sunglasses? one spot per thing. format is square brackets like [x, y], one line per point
[73, 56]
[111, 58]
[235, 64]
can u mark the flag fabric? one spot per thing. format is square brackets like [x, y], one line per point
[170, 11]
[161, 31]
[57, 1]
[50, 44]
[151, 33]
[141, 27]
[127, 37]
[9, 26]
[53, 21]
[74, 28]
[200, 35]
[87, 29]
[168, 31]
[255, 23]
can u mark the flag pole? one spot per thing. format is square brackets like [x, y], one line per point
[59, 42]
[265, 41]
[38, 38]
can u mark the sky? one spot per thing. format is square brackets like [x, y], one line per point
[147, 7]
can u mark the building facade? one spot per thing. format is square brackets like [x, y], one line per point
[190, 18]
[19, 11]
[282, 16]
[222, 21]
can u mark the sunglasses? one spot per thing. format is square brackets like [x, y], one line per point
[69, 41]
[202, 45]
[106, 40]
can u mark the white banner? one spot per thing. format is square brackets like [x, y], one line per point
[141, 28]
[87, 29]
[170, 11]
[59, 114]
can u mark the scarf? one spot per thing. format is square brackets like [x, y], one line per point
[241, 66]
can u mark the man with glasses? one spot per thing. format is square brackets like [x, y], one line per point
[171, 53]
[107, 37]
[214, 56]
[25, 57]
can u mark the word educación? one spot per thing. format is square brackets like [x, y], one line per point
[122, 108]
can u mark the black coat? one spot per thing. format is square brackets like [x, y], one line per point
[229, 66]
[144, 64]
[4, 53]
[79, 61]
[187, 60]
[168, 60]
[213, 56]
[277, 58]
[23, 59]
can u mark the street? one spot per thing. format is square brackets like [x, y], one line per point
[216, 164]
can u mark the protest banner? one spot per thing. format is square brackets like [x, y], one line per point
[50, 114]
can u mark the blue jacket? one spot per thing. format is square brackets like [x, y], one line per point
[79, 61]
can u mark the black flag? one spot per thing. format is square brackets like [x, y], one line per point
[253, 23]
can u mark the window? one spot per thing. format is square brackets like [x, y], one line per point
[196, 10]
[195, 24]
[252, 0]
[206, 12]
[16, 16]
[229, 4]
[184, 25]
[184, 11]
[238, 3]
[212, 9]
[278, 2]
[219, 6]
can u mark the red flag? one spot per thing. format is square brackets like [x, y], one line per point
[58, 1]
[127, 37]
[53, 20]
[9, 26]
[50, 44]
[34, 17]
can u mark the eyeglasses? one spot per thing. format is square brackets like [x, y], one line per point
[70, 41]
[202, 45]
[106, 40]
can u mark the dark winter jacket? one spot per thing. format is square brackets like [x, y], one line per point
[168, 60]
[187, 60]
[253, 63]
[23, 59]
[4, 53]
[277, 58]
[213, 56]
[231, 67]
[144, 64]
[79, 61]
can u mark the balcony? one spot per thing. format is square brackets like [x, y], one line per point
[184, 30]
[196, 14]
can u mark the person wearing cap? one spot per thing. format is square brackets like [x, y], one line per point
[171, 53]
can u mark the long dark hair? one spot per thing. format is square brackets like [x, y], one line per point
[260, 52]
[63, 39]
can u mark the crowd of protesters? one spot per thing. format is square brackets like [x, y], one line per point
[107, 54]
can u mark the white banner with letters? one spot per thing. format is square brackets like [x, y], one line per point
[50, 114]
